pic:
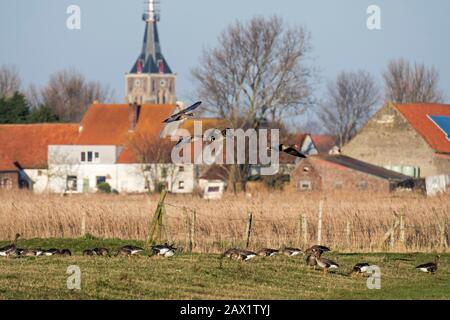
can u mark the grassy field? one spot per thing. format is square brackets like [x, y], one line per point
[198, 276]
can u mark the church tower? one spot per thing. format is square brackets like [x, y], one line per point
[150, 80]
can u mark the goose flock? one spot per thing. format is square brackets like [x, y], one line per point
[12, 250]
[314, 255]
[313, 258]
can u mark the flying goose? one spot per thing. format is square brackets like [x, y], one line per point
[183, 114]
[288, 149]
[129, 250]
[324, 263]
[430, 267]
[266, 252]
[10, 250]
[164, 250]
[290, 252]
[218, 137]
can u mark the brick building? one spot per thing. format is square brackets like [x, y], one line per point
[407, 138]
[337, 172]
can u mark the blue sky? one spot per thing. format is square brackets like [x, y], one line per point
[34, 37]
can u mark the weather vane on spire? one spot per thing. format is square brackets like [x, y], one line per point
[151, 14]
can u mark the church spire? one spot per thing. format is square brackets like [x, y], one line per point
[151, 59]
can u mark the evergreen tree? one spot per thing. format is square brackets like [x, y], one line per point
[14, 109]
[42, 114]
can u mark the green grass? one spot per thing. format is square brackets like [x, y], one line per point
[198, 276]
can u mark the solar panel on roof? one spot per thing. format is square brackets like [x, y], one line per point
[443, 123]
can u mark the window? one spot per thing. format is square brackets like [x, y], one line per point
[213, 189]
[164, 173]
[181, 185]
[83, 157]
[338, 185]
[100, 179]
[39, 173]
[96, 157]
[181, 169]
[6, 183]
[363, 185]
[304, 186]
[71, 183]
[89, 156]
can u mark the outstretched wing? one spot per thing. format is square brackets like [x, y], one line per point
[294, 152]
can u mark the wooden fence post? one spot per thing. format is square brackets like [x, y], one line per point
[319, 224]
[442, 236]
[155, 227]
[402, 228]
[347, 233]
[305, 229]
[248, 229]
[192, 230]
[299, 230]
[83, 223]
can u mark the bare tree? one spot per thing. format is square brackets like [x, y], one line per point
[69, 94]
[406, 83]
[349, 104]
[9, 81]
[257, 71]
[154, 156]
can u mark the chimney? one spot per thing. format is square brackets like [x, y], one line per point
[134, 110]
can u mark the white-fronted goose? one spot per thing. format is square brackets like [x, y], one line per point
[311, 260]
[164, 250]
[51, 252]
[89, 252]
[129, 250]
[324, 263]
[183, 114]
[246, 255]
[430, 267]
[31, 252]
[65, 252]
[317, 248]
[10, 250]
[267, 252]
[289, 149]
[291, 252]
[362, 267]
[101, 252]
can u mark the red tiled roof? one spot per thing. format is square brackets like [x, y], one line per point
[417, 115]
[323, 143]
[28, 143]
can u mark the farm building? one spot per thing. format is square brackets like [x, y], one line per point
[409, 138]
[337, 172]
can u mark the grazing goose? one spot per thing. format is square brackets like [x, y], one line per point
[129, 250]
[164, 250]
[183, 114]
[51, 252]
[89, 252]
[65, 252]
[10, 250]
[101, 252]
[31, 252]
[324, 263]
[290, 252]
[311, 261]
[362, 267]
[317, 248]
[288, 149]
[246, 255]
[430, 267]
[239, 254]
[266, 252]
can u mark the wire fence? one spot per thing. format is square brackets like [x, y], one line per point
[345, 224]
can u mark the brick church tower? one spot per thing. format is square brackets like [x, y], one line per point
[150, 80]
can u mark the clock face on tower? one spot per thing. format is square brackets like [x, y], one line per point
[162, 83]
[137, 83]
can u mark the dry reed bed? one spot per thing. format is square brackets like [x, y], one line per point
[352, 222]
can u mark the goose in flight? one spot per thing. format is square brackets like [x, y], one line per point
[288, 149]
[183, 114]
